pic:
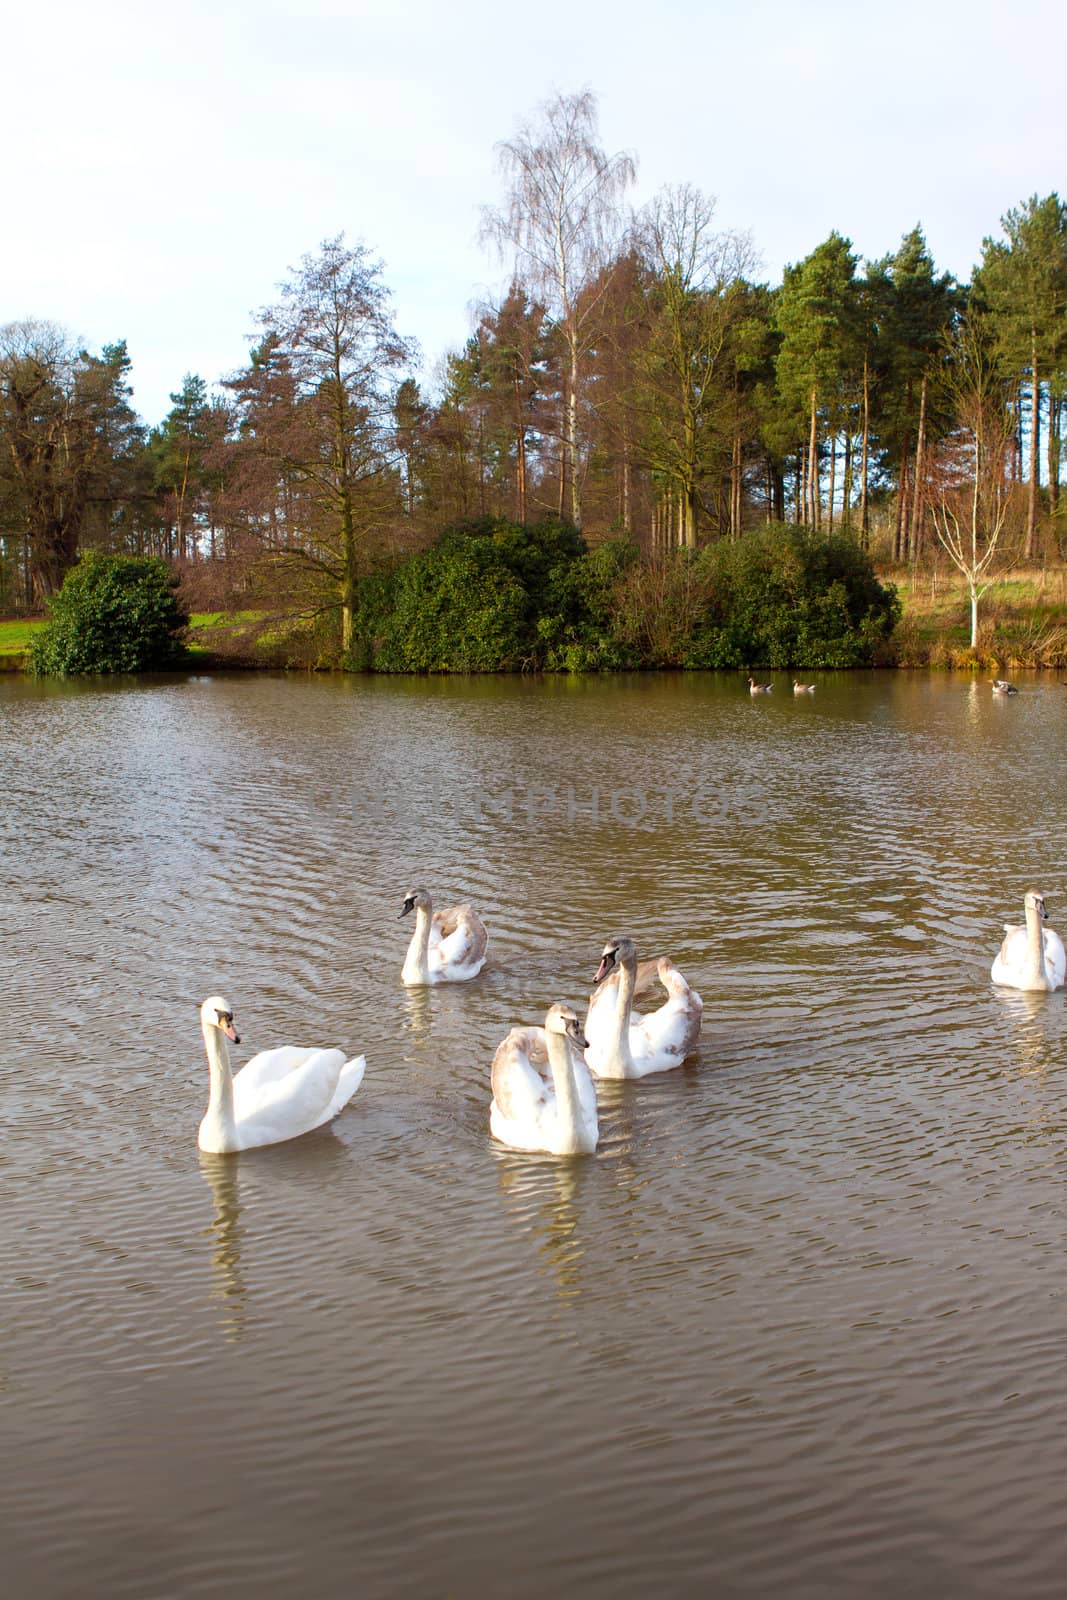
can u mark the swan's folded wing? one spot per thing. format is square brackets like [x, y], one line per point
[1055, 957]
[269, 1066]
[519, 1074]
[671, 1033]
[349, 1080]
[462, 935]
[296, 1103]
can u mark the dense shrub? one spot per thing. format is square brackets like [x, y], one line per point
[494, 596]
[113, 614]
[785, 597]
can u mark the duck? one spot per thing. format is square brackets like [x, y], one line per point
[277, 1095]
[446, 946]
[1002, 686]
[1031, 957]
[759, 688]
[624, 1046]
[543, 1094]
[803, 688]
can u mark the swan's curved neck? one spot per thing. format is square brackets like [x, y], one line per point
[416, 967]
[219, 1123]
[573, 1135]
[1035, 947]
[618, 1050]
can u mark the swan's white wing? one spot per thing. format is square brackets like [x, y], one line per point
[294, 1104]
[521, 1086]
[269, 1066]
[348, 1082]
[1011, 960]
[462, 940]
[669, 1034]
[1055, 958]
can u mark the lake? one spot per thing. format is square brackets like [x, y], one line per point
[796, 1329]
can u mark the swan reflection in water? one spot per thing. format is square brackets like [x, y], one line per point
[220, 1173]
[1037, 1042]
[541, 1194]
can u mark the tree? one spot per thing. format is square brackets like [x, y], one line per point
[562, 218]
[916, 308]
[69, 436]
[317, 408]
[1024, 283]
[972, 503]
[817, 318]
[179, 449]
[696, 301]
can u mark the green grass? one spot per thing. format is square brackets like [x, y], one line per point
[15, 636]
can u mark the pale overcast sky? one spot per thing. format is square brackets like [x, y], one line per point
[165, 165]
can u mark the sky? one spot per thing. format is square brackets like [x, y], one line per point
[165, 166]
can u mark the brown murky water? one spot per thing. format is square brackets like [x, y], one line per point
[797, 1328]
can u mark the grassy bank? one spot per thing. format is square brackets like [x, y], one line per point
[1022, 624]
[1022, 620]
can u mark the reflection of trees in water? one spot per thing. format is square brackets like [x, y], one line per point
[220, 1173]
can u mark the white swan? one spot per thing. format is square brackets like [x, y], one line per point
[1032, 957]
[759, 688]
[543, 1096]
[1002, 686]
[447, 946]
[277, 1095]
[624, 1046]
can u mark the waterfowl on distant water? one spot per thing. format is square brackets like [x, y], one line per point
[1002, 686]
[622, 1045]
[446, 946]
[803, 688]
[1032, 957]
[543, 1096]
[278, 1095]
[759, 688]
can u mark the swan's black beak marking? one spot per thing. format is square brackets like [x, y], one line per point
[409, 905]
[226, 1024]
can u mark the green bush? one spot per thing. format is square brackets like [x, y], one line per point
[785, 597]
[493, 596]
[113, 614]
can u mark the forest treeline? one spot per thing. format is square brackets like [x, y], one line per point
[636, 381]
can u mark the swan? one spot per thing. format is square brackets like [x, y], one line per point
[803, 688]
[1031, 957]
[759, 688]
[277, 1095]
[1002, 686]
[543, 1096]
[623, 1046]
[447, 946]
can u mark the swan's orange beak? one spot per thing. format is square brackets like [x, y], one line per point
[226, 1024]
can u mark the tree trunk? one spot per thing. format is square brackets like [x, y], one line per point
[520, 454]
[1035, 449]
[833, 484]
[865, 526]
[813, 464]
[916, 500]
[1055, 425]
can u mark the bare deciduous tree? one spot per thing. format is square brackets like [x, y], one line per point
[563, 219]
[972, 503]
